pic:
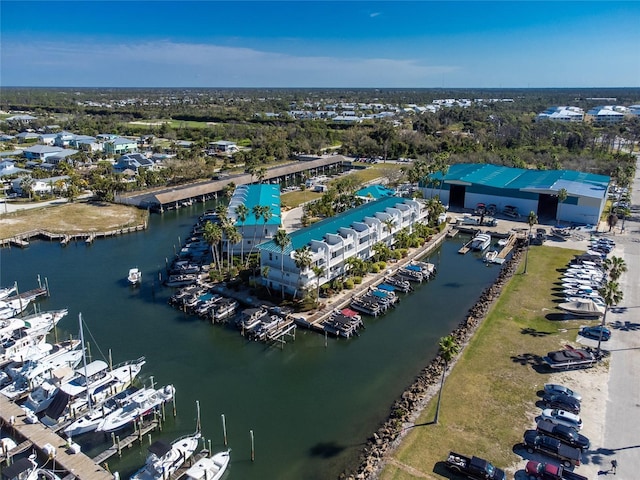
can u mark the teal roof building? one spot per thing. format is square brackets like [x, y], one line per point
[466, 185]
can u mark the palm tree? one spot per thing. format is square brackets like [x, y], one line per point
[233, 237]
[303, 258]
[319, 272]
[449, 348]
[282, 241]
[242, 211]
[532, 219]
[562, 196]
[389, 223]
[615, 267]
[257, 213]
[612, 295]
[212, 235]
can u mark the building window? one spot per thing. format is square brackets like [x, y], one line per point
[270, 257]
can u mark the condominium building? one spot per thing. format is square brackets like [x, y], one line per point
[334, 240]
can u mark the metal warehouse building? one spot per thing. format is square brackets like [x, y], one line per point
[466, 185]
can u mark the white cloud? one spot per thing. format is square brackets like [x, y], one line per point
[166, 63]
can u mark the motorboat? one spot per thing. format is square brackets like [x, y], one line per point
[137, 405]
[164, 459]
[135, 276]
[90, 421]
[491, 256]
[6, 291]
[480, 242]
[209, 468]
[32, 374]
[570, 358]
[583, 307]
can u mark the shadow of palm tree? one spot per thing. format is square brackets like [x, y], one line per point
[625, 326]
[534, 333]
[527, 359]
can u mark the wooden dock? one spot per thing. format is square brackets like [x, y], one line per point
[78, 465]
[465, 248]
[119, 444]
[511, 241]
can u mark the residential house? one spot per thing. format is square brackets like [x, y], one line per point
[24, 137]
[8, 167]
[120, 146]
[133, 162]
[224, 146]
[39, 186]
[64, 139]
[41, 152]
[47, 138]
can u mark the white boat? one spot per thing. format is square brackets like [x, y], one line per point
[32, 374]
[135, 276]
[164, 459]
[583, 307]
[135, 406]
[6, 291]
[209, 468]
[490, 256]
[481, 242]
[89, 421]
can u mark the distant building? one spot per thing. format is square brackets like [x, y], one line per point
[120, 146]
[606, 115]
[41, 152]
[224, 146]
[8, 167]
[562, 114]
[24, 137]
[20, 119]
[133, 162]
[39, 186]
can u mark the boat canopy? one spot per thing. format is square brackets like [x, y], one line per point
[159, 448]
[387, 287]
[347, 312]
[380, 294]
[415, 268]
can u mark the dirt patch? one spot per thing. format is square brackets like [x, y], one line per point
[79, 217]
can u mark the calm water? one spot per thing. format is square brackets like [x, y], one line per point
[311, 408]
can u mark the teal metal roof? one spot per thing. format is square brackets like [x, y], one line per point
[576, 183]
[376, 191]
[252, 195]
[318, 230]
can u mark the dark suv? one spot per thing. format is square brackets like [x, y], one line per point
[563, 433]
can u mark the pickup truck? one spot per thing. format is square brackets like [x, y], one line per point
[563, 433]
[547, 471]
[474, 467]
[535, 442]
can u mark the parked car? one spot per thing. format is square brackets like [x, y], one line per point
[547, 471]
[561, 389]
[562, 417]
[595, 332]
[564, 402]
[563, 433]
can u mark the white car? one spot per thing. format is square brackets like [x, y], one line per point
[562, 417]
[561, 390]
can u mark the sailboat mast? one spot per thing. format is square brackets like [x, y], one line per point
[84, 362]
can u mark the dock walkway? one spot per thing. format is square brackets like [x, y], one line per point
[78, 465]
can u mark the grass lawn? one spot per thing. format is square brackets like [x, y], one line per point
[488, 396]
[78, 217]
[377, 170]
[294, 199]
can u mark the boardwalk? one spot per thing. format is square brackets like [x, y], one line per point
[77, 465]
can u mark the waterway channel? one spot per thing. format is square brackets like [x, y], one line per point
[310, 406]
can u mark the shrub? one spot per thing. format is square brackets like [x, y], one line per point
[357, 280]
[348, 284]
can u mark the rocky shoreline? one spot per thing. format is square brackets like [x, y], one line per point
[406, 409]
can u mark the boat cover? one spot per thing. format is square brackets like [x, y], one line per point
[159, 448]
[583, 307]
[387, 287]
[379, 294]
[16, 468]
[347, 312]
[415, 268]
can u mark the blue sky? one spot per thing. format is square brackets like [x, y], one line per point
[340, 44]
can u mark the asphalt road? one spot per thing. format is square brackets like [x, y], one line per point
[622, 420]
